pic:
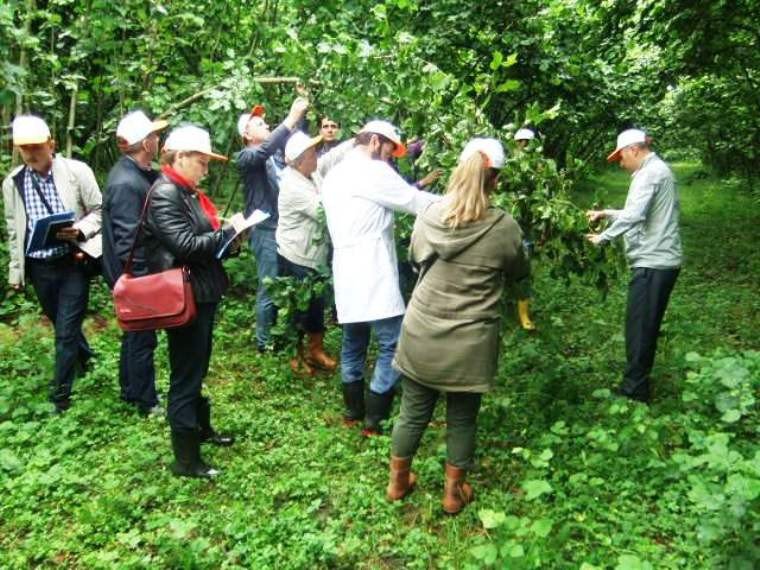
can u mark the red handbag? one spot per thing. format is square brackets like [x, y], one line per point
[162, 300]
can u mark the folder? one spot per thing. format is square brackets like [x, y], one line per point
[241, 224]
[44, 230]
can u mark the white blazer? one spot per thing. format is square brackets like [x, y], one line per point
[359, 196]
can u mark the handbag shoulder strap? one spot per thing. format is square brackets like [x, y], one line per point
[130, 257]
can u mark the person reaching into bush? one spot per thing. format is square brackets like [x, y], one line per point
[465, 251]
[182, 228]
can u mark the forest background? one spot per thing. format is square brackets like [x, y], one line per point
[578, 71]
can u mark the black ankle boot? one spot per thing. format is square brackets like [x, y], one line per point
[208, 434]
[187, 456]
[378, 410]
[353, 399]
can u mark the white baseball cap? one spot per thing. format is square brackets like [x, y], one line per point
[298, 143]
[28, 129]
[390, 132]
[190, 138]
[490, 148]
[627, 138]
[135, 126]
[243, 123]
[524, 135]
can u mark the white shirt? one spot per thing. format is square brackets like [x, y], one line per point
[359, 196]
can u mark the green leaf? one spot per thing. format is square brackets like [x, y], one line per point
[542, 527]
[731, 416]
[491, 519]
[485, 552]
[631, 562]
[496, 60]
[534, 488]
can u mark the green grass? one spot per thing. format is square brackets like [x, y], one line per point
[567, 477]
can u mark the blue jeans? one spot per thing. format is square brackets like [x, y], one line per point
[354, 352]
[63, 290]
[264, 248]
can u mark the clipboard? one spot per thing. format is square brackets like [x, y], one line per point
[44, 230]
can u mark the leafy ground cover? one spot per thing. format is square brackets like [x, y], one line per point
[568, 476]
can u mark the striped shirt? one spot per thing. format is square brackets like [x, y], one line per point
[37, 209]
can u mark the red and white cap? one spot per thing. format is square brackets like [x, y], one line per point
[625, 139]
[490, 148]
[28, 129]
[390, 132]
[135, 126]
[256, 111]
[190, 138]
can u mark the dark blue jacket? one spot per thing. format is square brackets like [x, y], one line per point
[125, 194]
[259, 177]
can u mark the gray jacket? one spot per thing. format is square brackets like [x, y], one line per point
[649, 220]
[79, 192]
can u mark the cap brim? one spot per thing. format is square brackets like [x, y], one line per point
[159, 125]
[21, 141]
[214, 156]
[400, 150]
[614, 156]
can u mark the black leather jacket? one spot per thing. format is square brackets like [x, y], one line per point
[177, 232]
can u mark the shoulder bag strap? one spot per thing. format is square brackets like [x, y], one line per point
[36, 186]
[128, 264]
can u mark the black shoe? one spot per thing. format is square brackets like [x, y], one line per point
[219, 439]
[353, 399]
[637, 396]
[378, 410]
[207, 433]
[62, 405]
[187, 456]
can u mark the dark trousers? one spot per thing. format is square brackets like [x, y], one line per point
[417, 406]
[137, 373]
[312, 320]
[189, 356]
[63, 290]
[648, 295]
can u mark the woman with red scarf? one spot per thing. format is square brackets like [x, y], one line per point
[182, 228]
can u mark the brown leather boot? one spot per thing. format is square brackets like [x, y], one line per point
[317, 357]
[456, 492]
[402, 480]
[299, 364]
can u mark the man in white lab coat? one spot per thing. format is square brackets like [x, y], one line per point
[359, 196]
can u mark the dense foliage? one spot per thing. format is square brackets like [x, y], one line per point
[685, 70]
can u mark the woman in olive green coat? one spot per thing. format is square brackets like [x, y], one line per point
[449, 340]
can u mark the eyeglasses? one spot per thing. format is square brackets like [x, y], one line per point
[329, 126]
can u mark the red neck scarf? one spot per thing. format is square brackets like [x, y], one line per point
[207, 205]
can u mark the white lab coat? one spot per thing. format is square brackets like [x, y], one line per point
[359, 196]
